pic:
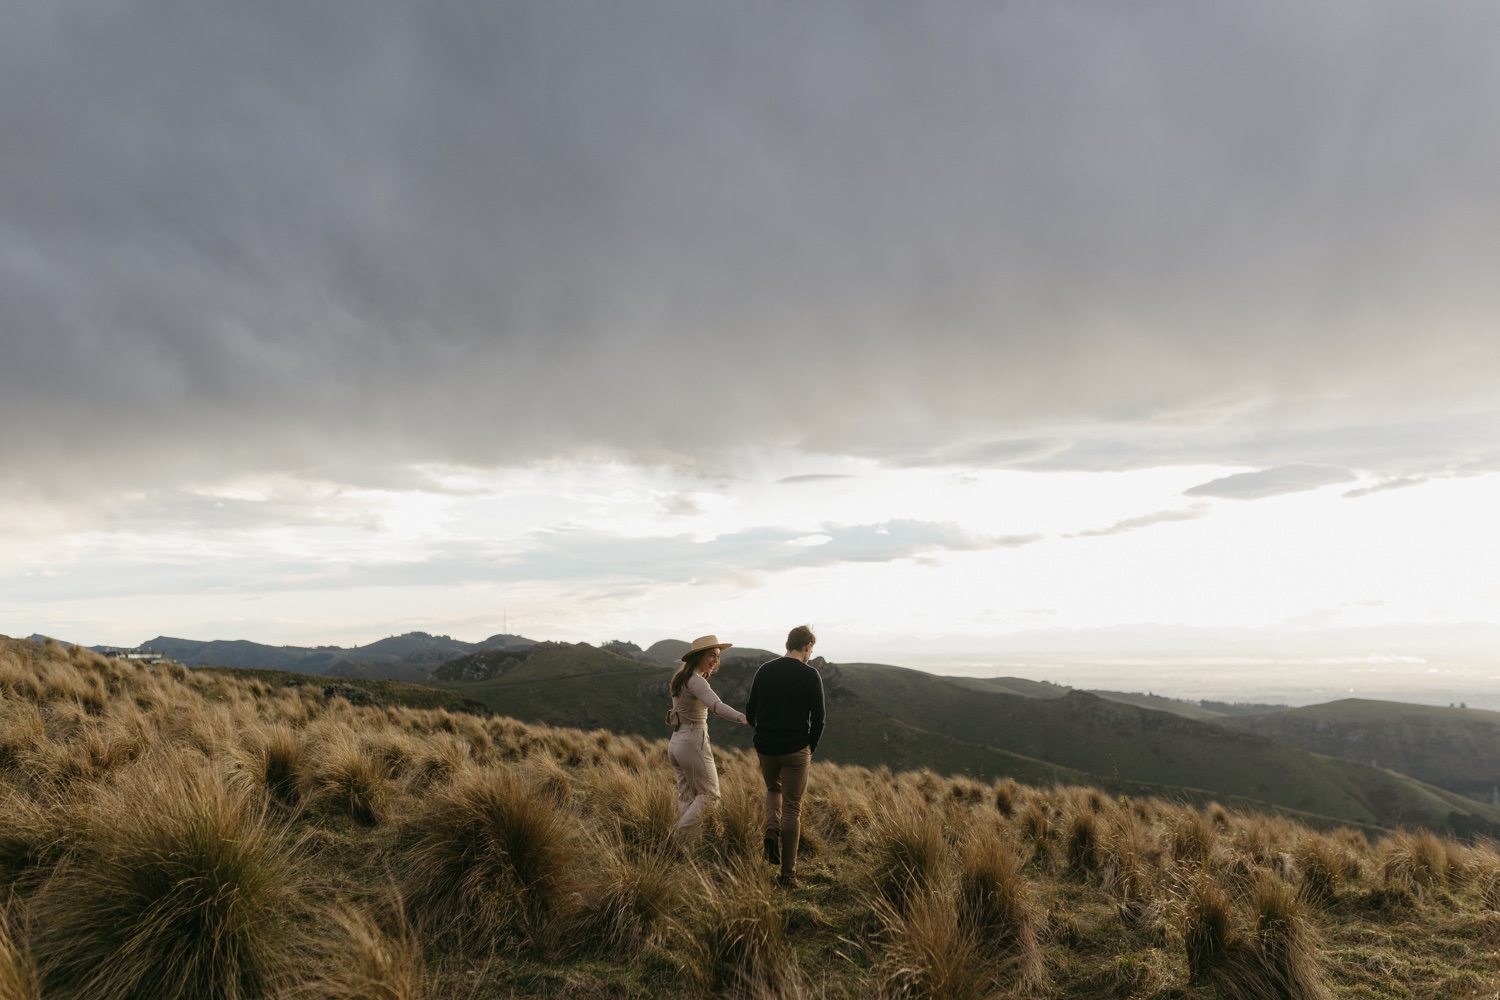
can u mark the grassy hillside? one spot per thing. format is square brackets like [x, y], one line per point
[1098, 736]
[908, 719]
[580, 685]
[174, 835]
[1453, 748]
[1204, 711]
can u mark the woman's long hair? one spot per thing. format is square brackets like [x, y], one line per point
[689, 664]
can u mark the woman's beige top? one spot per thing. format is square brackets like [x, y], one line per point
[696, 699]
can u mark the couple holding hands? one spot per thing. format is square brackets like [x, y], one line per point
[786, 709]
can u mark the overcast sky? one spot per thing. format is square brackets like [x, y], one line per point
[931, 322]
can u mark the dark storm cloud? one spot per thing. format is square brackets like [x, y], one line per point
[1270, 482]
[285, 234]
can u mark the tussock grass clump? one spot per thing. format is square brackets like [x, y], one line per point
[1126, 875]
[1193, 838]
[1488, 883]
[922, 950]
[966, 791]
[180, 888]
[1036, 827]
[1325, 866]
[994, 903]
[18, 975]
[1208, 930]
[21, 728]
[1280, 959]
[1007, 795]
[341, 776]
[740, 818]
[641, 808]
[740, 947]
[441, 758]
[1415, 859]
[1284, 941]
[396, 752]
[632, 897]
[361, 960]
[489, 858]
[33, 836]
[1277, 960]
[1085, 853]
[543, 773]
[908, 855]
[277, 761]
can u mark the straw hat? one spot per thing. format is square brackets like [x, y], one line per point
[704, 642]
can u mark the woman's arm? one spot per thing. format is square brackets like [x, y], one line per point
[705, 694]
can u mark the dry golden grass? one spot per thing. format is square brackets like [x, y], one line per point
[363, 960]
[178, 834]
[492, 858]
[18, 975]
[178, 886]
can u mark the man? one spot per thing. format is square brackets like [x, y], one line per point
[786, 709]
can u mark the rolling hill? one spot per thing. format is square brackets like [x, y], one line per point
[581, 686]
[1453, 748]
[1143, 746]
[669, 651]
[908, 718]
[1201, 710]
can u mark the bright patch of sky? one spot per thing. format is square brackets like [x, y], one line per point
[891, 563]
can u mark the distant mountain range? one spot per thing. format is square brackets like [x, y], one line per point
[409, 657]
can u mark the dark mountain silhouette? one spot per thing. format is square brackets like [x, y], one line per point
[409, 657]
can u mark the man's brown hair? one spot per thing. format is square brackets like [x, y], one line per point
[800, 636]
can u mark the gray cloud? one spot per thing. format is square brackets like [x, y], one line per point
[748, 553]
[1389, 484]
[1145, 521]
[814, 477]
[681, 505]
[573, 556]
[1270, 482]
[280, 235]
[1411, 441]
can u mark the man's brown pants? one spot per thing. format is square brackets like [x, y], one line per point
[786, 780]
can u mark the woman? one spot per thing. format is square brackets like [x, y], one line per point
[689, 752]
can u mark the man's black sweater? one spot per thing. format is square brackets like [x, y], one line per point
[785, 706]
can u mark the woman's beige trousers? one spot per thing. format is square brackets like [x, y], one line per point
[697, 778]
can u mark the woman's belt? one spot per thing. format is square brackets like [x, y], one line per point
[676, 720]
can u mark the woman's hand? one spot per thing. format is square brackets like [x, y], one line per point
[742, 720]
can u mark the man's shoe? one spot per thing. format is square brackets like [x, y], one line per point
[773, 850]
[786, 881]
